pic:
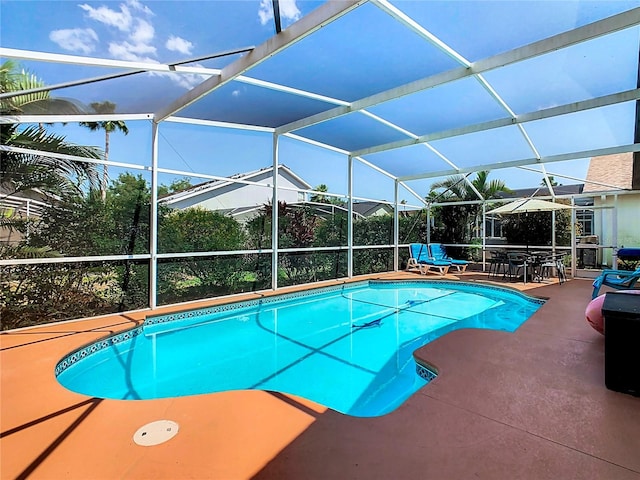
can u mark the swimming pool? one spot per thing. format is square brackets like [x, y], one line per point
[348, 347]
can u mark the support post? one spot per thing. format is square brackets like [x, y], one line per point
[428, 222]
[614, 229]
[484, 236]
[153, 220]
[274, 216]
[574, 248]
[396, 227]
[350, 213]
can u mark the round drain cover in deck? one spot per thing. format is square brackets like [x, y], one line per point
[155, 433]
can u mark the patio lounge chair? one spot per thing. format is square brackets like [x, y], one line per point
[438, 252]
[618, 279]
[421, 260]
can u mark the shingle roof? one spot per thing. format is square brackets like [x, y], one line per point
[610, 172]
[544, 191]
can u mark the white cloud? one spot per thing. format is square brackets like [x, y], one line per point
[180, 45]
[289, 11]
[138, 52]
[132, 35]
[121, 20]
[266, 11]
[136, 5]
[143, 32]
[76, 39]
[187, 81]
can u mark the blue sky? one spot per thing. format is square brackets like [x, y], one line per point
[361, 54]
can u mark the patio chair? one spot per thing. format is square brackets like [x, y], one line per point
[550, 263]
[421, 260]
[516, 263]
[497, 262]
[618, 279]
[438, 252]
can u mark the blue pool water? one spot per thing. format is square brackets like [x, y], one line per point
[346, 347]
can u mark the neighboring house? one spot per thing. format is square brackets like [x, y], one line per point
[241, 199]
[609, 180]
[18, 206]
[372, 209]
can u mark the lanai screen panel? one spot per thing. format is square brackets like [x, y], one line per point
[481, 29]
[351, 132]
[592, 69]
[357, 55]
[212, 150]
[604, 127]
[452, 105]
[409, 161]
[246, 104]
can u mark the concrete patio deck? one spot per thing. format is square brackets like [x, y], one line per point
[525, 405]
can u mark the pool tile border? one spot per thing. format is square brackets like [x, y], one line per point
[82, 352]
[425, 372]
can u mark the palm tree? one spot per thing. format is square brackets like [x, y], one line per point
[320, 198]
[30, 173]
[457, 188]
[108, 126]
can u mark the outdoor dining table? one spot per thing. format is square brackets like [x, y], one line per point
[532, 263]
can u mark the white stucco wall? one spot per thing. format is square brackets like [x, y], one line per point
[625, 218]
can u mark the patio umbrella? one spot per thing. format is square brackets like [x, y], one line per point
[531, 205]
[528, 205]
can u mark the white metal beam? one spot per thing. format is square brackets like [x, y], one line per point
[409, 22]
[74, 158]
[101, 62]
[528, 161]
[316, 143]
[304, 27]
[290, 90]
[217, 124]
[569, 177]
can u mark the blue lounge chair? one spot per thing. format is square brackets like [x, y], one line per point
[438, 252]
[421, 260]
[618, 279]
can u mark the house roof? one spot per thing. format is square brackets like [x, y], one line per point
[368, 207]
[610, 172]
[573, 189]
[213, 185]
